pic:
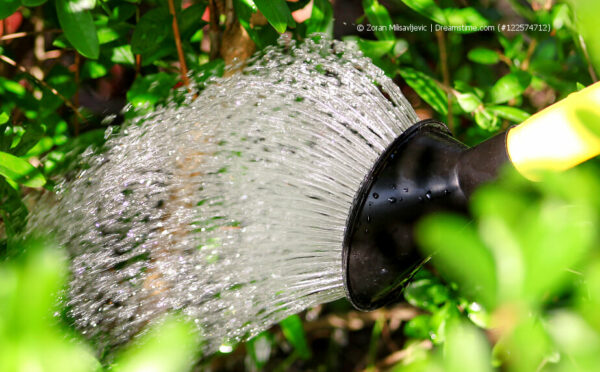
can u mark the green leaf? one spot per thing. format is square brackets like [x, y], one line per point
[76, 21]
[321, 18]
[4, 117]
[122, 55]
[426, 293]
[426, 88]
[152, 29]
[486, 120]
[294, 333]
[451, 239]
[31, 3]
[509, 113]
[190, 20]
[429, 9]
[375, 48]
[8, 7]
[20, 171]
[466, 349]
[277, 13]
[93, 70]
[469, 102]
[465, 17]
[259, 349]
[148, 90]
[509, 86]
[379, 16]
[169, 347]
[484, 56]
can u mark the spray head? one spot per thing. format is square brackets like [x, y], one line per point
[427, 170]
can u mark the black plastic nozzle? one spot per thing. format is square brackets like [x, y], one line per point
[423, 171]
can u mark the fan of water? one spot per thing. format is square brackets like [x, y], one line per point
[231, 209]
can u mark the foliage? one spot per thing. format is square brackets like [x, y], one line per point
[529, 262]
[521, 301]
[33, 337]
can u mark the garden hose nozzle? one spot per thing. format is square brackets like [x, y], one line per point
[427, 170]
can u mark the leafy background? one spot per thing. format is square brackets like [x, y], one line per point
[526, 298]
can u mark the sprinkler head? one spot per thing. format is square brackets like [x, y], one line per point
[427, 170]
[423, 171]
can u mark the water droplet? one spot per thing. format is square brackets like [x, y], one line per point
[368, 218]
[392, 200]
[375, 195]
[428, 195]
[406, 189]
[393, 186]
[366, 231]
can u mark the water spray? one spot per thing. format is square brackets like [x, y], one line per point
[292, 183]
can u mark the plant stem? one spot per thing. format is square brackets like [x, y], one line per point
[18, 35]
[177, 37]
[214, 29]
[446, 75]
[67, 102]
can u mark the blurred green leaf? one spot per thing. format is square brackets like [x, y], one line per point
[429, 9]
[509, 113]
[170, 346]
[509, 86]
[450, 238]
[147, 90]
[375, 48]
[8, 7]
[426, 293]
[426, 88]
[483, 55]
[277, 13]
[29, 335]
[76, 21]
[380, 18]
[466, 349]
[32, 3]
[468, 16]
[93, 70]
[151, 30]
[468, 101]
[259, 349]
[20, 171]
[321, 18]
[294, 333]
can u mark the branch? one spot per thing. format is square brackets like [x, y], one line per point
[214, 29]
[183, 66]
[18, 35]
[67, 102]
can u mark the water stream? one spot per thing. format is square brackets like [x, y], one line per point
[232, 209]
